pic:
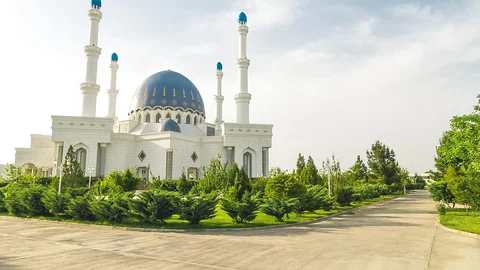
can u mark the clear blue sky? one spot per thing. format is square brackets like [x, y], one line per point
[332, 76]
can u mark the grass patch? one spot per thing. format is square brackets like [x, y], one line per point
[222, 220]
[459, 220]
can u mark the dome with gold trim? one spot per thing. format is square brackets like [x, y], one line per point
[168, 90]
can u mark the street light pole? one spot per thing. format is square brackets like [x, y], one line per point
[90, 171]
[328, 176]
[60, 180]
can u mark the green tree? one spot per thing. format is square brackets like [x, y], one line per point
[182, 184]
[383, 165]
[300, 164]
[359, 170]
[458, 158]
[73, 176]
[283, 187]
[309, 174]
[214, 177]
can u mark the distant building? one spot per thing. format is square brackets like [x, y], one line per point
[2, 170]
[166, 132]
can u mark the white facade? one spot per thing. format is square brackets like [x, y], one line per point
[166, 132]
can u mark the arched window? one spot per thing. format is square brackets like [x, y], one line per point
[134, 117]
[81, 156]
[169, 116]
[179, 119]
[247, 164]
[140, 118]
[188, 120]
[147, 118]
[195, 120]
[159, 116]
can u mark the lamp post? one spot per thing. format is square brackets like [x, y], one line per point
[90, 170]
[61, 175]
[328, 176]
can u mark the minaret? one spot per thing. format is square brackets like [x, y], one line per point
[113, 91]
[90, 88]
[219, 98]
[243, 97]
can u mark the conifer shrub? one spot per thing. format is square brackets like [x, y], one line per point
[15, 200]
[243, 210]
[345, 195]
[152, 206]
[32, 198]
[3, 205]
[80, 209]
[316, 198]
[113, 209]
[197, 208]
[279, 208]
[55, 203]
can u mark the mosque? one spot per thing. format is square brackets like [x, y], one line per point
[166, 132]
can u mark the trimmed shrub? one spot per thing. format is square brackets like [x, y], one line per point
[15, 201]
[79, 208]
[166, 185]
[441, 209]
[55, 203]
[3, 205]
[77, 192]
[45, 181]
[279, 209]
[33, 201]
[316, 198]
[114, 209]
[153, 206]
[345, 196]
[197, 208]
[241, 211]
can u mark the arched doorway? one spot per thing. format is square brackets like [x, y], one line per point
[81, 156]
[247, 164]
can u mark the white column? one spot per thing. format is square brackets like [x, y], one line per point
[113, 91]
[219, 98]
[243, 97]
[90, 88]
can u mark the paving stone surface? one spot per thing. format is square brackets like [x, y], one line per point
[397, 234]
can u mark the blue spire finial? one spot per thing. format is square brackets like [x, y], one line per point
[219, 66]
[114, 57]
[97, 4]
[242, 18]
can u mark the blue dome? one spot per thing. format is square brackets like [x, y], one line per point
[97, 3]
[114, 57]
[168, 90]
[219, 66]
[242, 17]
[170, 125]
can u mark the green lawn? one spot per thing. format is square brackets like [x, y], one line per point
[222, 220]
[459, 220]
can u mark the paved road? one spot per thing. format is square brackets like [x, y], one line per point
[398, 234]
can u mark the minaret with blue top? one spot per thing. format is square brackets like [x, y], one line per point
[113, 91]
[243, 97]
[219, 98]
[90, 88]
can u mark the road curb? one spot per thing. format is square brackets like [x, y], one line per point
[473, 235]
[139, 229]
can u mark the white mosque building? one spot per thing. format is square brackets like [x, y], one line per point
[166, 132]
